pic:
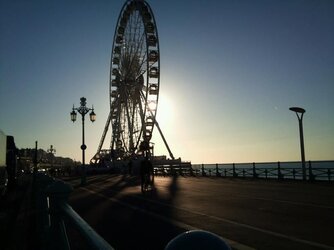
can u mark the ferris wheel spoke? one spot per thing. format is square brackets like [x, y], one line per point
[134, 26]
[128, 121]
[125, 131]
[143, 62]
[137, 126]
[137, 26]
[132, 122]
[141, 110]
[137, 55]
[143, 71]
[128, 41]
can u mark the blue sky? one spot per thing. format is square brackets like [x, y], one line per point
[230, 70]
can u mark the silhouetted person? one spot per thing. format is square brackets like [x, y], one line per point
[146, 169]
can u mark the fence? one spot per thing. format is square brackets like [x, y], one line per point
[52, 209]
[317, 170]
[180, 169]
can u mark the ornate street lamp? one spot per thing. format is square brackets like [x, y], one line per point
[51, 151]
[83, 110]
[300, 113]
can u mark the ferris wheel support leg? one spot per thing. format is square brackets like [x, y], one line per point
[163, 138]
[106, 127]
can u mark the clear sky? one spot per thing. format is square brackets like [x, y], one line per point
[230, 70]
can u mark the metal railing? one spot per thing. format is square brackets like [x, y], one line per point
[53, 210]
[184, 170]
[316, 170]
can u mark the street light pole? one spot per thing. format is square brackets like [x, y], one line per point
[300, 113]
[35, 158]
[83, 110]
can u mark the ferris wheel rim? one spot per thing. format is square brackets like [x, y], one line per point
[147, 115]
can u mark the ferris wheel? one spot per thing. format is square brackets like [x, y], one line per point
[134, 80]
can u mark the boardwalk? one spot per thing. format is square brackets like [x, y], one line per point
[250, 214]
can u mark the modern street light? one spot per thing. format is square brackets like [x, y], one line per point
[300, 113]
[83, 110]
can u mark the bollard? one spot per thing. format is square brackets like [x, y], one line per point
[58, 194]
[310, 172]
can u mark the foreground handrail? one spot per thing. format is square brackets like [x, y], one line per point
[59, 209]
[94, 240]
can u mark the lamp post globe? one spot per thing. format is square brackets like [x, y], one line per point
[92, 116]
[73, 115]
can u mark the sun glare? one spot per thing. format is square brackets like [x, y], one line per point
[165, 111]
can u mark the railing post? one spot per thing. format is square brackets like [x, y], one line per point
[217, 170]
[191, 171]
[310, 172]
[279, 173]
[234, 173]
[203, 172]
[58, 194]
[254, 171]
